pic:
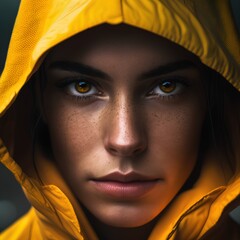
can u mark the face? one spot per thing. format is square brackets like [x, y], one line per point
[124, 109]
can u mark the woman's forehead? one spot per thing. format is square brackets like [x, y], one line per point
[119, 39]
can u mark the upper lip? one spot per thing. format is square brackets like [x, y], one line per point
[125, 178]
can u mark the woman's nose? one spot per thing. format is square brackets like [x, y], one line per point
[125, 135]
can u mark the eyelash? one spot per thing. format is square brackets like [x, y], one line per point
[69, 82]
[180, 82]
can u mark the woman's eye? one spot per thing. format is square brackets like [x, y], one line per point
[82, 88]
[168, 88]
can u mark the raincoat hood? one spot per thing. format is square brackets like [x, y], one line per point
[205, 28]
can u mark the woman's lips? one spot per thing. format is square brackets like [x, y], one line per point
[124, 186]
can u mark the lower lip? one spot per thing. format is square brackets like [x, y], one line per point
[122, 190]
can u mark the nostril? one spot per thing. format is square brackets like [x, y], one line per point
[138, 150]
[125, 150]
[113, 150]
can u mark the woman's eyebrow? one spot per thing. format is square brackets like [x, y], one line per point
[78, 68]
[168, 68]
[94, 72]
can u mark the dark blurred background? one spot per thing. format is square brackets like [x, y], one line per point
[13, 203]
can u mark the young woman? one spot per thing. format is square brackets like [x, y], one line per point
[119, 120]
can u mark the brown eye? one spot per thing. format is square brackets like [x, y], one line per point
[80, 88]
[83, 87]
[167, 86]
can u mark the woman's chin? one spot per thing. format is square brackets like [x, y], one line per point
[126, 218]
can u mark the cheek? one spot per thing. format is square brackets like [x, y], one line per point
[72, 134]
[175, 138]
[173, 135]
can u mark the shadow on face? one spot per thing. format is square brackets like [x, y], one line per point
[124, 109]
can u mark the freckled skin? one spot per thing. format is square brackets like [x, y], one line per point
[124, 130]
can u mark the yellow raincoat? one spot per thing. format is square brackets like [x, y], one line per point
[204, 27]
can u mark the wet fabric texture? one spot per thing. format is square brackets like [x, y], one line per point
[205, 28]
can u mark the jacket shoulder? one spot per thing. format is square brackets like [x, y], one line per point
[24, 228]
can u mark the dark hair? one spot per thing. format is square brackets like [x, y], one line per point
[40, 129]
[221, 129]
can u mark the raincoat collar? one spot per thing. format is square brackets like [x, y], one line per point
[191, 215]
[185, 22]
